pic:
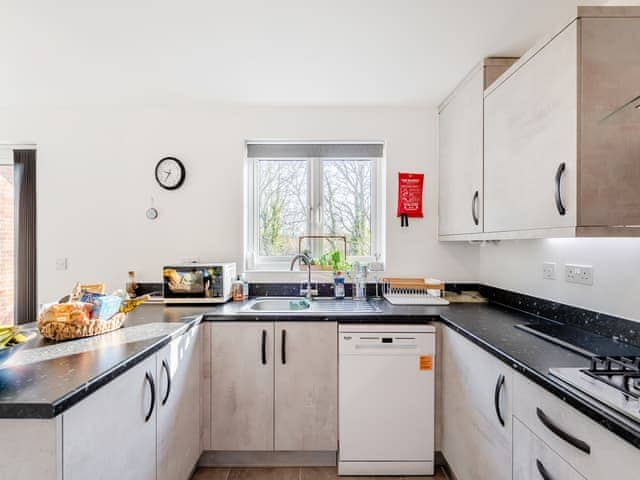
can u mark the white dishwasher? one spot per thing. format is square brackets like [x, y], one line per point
[386, 399]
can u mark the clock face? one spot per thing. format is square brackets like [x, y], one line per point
[170, 173]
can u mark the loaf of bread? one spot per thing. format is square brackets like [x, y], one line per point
[76, 313]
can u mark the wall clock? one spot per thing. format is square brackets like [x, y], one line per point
[170, 173]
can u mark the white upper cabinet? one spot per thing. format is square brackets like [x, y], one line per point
[561, 138]
[530, 142]
[460, 151]
[460, 154]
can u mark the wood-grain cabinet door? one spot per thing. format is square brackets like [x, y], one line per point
[178, 390]
[242, 386]
[107, 436]
[306, 386]
[476, 422]
[460, 151]
[530, 125]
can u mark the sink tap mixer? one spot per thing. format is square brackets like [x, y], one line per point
[307, 261]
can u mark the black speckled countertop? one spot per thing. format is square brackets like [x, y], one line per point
[45, 378]
[44, 389]
[492, 327]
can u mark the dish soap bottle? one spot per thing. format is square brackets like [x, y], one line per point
[338, 285]
[245, 287]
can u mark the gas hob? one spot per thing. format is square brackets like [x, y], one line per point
[613, 380]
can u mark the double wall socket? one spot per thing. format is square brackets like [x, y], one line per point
[582, 274]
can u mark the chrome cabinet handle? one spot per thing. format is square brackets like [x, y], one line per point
[567, 437]
[474, 207]
[165, 366]
[152, 386]
[559, 204]
[496, 398]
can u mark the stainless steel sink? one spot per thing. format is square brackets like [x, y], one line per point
[279, 305]
[293, 305]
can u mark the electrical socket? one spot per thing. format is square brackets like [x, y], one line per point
[549, 270]
[582, 274]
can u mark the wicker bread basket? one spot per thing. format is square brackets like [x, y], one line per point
[58, 330]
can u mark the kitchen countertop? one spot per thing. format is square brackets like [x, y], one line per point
[490, 326]
[43, 384]
[46, 378]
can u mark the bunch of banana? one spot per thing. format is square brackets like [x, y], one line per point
[130, 305]
[10, 335]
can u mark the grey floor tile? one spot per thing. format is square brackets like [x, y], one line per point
[308, 473]
[264, 474]
[330, 473]
[318, 473]
[211, 474]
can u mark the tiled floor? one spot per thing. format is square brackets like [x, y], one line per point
[323, 473]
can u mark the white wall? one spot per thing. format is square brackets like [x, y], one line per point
[517, 265]
[95, 181]
[95, 169]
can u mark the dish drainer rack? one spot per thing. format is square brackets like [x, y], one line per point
[412, 291]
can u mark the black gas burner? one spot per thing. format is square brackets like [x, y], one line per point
[622, 373]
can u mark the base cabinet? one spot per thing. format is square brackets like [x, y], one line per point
[242, 386]
[178, 420]
[112, 433]
[476, 411]
[144, 425]
[274, 386]
[306, 387]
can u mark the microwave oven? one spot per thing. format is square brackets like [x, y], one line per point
[198, 282]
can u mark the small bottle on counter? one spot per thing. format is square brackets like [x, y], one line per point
[338, 285]
[237, 290]
[131, 284]
[245, 287]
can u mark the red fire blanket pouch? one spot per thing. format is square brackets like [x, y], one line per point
[409, 196]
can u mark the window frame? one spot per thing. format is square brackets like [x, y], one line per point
[23, 159]
[255, 262]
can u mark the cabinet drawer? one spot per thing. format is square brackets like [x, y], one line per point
[533, 459]
[550, 418]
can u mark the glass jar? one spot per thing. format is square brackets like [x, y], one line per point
[131, 284]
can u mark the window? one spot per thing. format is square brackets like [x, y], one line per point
[7, 263]
[17, 236]
[313, 189]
